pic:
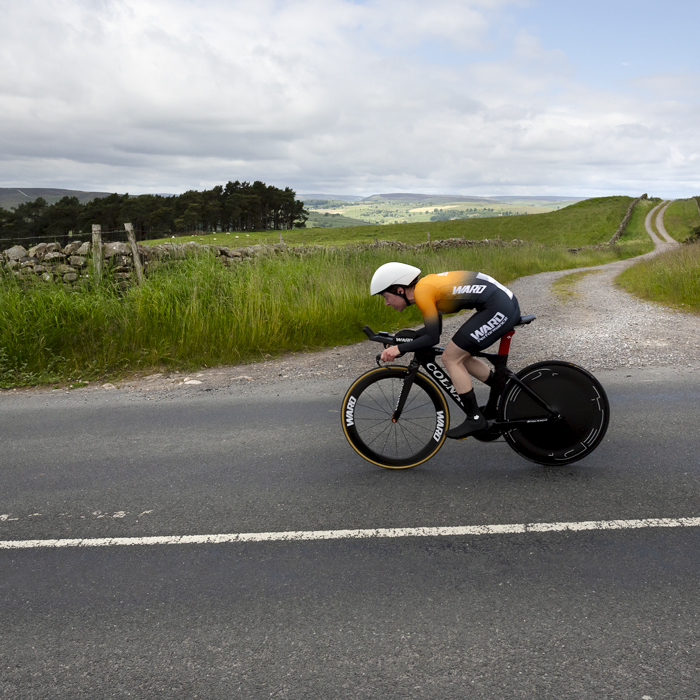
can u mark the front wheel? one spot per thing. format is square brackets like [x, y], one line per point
[367, 415]
[575, 394]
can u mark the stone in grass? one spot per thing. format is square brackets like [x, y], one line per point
[53, 256]
[77, 260]
[70, 277]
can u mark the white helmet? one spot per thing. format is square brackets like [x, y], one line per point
[392, 273]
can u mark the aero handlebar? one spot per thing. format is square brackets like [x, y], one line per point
[380, 337]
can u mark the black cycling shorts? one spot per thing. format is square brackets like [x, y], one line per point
[485, 327]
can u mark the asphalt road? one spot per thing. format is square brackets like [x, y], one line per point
[594, 614]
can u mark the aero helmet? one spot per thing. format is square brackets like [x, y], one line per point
[392, 273]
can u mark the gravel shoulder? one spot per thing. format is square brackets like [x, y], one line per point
[598, 326]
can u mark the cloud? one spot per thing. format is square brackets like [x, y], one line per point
[166, 95]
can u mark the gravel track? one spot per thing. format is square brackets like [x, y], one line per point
[602, 326]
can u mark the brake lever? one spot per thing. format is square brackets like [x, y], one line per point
[379, 357]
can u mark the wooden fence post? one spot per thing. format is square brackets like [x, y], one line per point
[430, 243]
[134, 253]
[281, 240]
[97, 251]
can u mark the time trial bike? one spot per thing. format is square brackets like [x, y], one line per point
[551, 412]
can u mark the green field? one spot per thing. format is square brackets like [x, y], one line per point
[318, 219]
[385, 210]
[584, 223]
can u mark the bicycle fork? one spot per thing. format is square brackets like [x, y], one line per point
[406, 385]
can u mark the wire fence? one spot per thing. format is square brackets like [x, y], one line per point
[108, 236]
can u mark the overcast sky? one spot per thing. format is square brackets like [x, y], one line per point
[563, 97]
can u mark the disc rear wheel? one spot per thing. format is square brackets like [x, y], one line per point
[572, 392]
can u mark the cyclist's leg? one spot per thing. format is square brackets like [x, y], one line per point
[483, 328]
[460, 364]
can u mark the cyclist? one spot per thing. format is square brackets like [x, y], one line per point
[497, 312]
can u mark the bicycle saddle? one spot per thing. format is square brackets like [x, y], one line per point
[524, 320]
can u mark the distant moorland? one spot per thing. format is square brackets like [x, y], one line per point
[415, 208]
[12, 196]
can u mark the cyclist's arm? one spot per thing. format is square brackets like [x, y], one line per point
[426, 337]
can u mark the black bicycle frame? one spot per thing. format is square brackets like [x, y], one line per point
[502, 376]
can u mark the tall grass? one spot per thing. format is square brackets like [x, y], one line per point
[671, 278]
[197, 312]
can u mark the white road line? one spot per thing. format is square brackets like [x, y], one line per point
[469, 530]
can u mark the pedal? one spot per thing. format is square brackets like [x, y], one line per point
[487, 434]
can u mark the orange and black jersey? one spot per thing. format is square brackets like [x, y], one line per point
[448, 292]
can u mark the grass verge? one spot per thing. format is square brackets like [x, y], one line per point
[681, 218]
[671, 278]
[197, 313]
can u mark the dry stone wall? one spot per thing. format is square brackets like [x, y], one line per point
[49, 261]
[67, 265]
[623, 224]
[53, 263]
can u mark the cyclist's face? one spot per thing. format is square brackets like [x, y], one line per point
[394, 300]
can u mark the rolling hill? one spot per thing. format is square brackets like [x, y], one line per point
[13, 196]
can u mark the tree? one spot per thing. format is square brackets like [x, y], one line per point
[236, 206]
